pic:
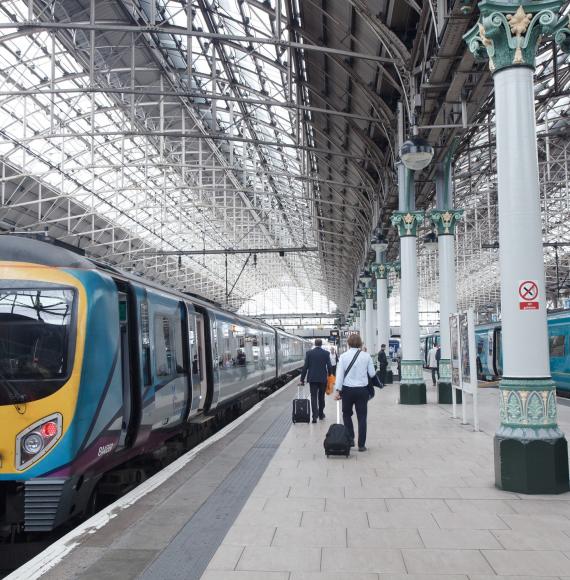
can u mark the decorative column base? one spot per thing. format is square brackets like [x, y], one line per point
[444, 396]
[412, 385]
[531, 453]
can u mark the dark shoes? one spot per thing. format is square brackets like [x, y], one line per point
[314, 420]
[321, 417]
[362, 448]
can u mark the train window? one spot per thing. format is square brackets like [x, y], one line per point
[36, 331]
[557, 345]
[163, 347]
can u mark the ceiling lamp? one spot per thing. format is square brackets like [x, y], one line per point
[416, 153]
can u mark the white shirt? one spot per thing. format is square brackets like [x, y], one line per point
[333, 359]
[359, 373]
[431, 358]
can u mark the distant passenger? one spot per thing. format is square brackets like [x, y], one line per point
[382, 363]
[317, 368]
[334, 360]
[432, 363]
[352, 387]
[240, 358]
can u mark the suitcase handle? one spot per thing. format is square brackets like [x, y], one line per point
[338, 412]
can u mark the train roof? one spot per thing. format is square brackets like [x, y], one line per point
[32, 250]
[39, 249]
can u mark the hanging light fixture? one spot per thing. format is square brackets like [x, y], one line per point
[416, 153]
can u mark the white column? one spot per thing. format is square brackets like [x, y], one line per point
[525, 336]
[410, 324]
[447, 289]
[362, 315]
[383, 312]
[370, 326]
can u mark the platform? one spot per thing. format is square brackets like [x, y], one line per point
[264, 503]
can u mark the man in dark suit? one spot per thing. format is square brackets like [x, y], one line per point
[382, 363]
[317, 367]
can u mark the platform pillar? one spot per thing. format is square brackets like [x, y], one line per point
[382, 304]
[362, 318]
[444, 218]
[412, 385]
[531, 454]
[370, 320]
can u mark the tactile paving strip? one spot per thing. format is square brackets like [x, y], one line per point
[190, 552]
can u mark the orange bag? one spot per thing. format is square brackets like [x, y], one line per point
[331, 380]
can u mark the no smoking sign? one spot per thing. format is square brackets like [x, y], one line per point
[528, 295]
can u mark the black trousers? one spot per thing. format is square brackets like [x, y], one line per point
[434, 372]
[382, 374]
[355, 397]
[318, 399]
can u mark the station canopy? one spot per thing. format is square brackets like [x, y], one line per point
[234, 148]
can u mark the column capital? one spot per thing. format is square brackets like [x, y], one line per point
[380, 270]
[407, 222]
[370, 293]
[394, 267]
[508, 33]
[445, 220]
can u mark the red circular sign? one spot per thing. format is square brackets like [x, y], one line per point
[528, 290]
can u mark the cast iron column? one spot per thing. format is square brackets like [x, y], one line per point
[531, 453]
[444, 219]
[412, 385]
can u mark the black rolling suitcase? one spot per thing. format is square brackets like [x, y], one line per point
[301, 408]
[389, 377]
[337, 440]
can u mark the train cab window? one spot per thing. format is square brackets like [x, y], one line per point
[557, 345]
[36, 340]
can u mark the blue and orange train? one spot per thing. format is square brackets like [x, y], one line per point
[98, 367]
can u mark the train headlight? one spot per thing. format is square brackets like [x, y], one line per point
[37, 439]
[33, 443]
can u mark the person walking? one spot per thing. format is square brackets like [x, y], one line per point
[432, 362]
[334, 360]
[353, 371]
[316, 369]
[382, 363]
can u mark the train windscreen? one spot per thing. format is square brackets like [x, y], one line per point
[35, 336]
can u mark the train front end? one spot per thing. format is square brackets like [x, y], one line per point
[42, 339]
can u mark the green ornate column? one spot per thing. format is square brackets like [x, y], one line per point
[412, 385]
[445, 221]
[531, 454]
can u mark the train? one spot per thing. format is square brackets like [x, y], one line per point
[489, 344]
[99, 367]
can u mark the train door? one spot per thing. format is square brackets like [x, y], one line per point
[196, 341]
[129, 378]
[498, 353]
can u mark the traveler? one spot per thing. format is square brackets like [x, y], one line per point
[382, 363]
[334, 360]
[316, 369]
[432, 362]
[352, 387]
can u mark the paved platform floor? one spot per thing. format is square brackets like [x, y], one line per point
[420, 504]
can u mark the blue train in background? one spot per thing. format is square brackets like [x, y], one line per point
[488, 339]
[102, 371]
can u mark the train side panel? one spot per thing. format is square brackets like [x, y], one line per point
[559, 348]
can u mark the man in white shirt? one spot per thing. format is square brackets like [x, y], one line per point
[432, 362]
[352, 386]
